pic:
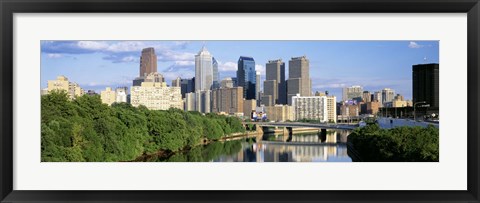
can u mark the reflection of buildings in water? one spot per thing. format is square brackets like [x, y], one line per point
[302, 153]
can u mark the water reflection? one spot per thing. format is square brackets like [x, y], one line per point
[311, 147]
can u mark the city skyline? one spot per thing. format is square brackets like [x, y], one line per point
[374, 65]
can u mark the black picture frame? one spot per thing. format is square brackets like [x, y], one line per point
[10, 7]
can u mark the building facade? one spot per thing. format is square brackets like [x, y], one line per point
[203, 70]
[148, 61]
[216, 74]
[248, 107]
[366, 96]
[108, 96]
[310, 107]
[279, 113]
[353, 92]
[299, 81]
[228, 100]
[177, 82]
[388, 95]
[156, 96]
[72, 89]
[246, 76]
[275, 73]
[187, 86]
[425, 84]
[332, 109]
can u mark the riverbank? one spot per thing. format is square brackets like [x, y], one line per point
[402, 144]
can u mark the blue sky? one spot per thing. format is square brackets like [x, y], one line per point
[333, 64]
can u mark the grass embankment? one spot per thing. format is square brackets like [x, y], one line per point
[402, 144]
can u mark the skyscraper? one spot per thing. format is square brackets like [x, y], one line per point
[350, 93]
[176, 82]
[275, 73]
[366, 96]
[388, 95]
[425, 87]
[299, 78]
[216, 76]
[246, 76]
[148, 61]
[187, 86]
[203, 70]
[257, 86]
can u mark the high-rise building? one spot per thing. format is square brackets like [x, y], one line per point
[156, 96]
[257, 86]
[387, 95]
[372, 107]
[121, 94]
[299, 81]
[377, 96]
[398, 97]
[279, 113]
[331, 109]
[227, 83]
[366, 96]
[248, 107]
[177, 82]
[425, 87]
[203, 70]
[246, 76]
[216, 74]
[190, 101]
[187, 86]
[108, 96]
[270, 92]
[310, 107]
[275, 78]
[150, 77]
[203, 101]
[228, 100]
[148, 61]
[349, 110]
[72, 89]
[235, 82]
[351, 93]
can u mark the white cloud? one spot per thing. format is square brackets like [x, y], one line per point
[414, 45]
[54, 55]
[129, 59]
[260, 68]
[92, 45]
[184, 63]
[227, 66]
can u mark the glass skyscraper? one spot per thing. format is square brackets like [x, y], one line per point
[246, 76]
[216, 76]
[203, 70]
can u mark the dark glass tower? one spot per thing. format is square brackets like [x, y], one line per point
[425, 80]
[216, 78]
[246, 76]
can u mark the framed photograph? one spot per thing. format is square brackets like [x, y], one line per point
[211, 101]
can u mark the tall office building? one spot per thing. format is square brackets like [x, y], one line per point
[203, 101]
[216, 74]
[246, 76]
[148, 61]
[177, 82]
[227, 83]
[425, 87]
[310, 107]
[350, 93]
[377, 96]
[187, 86]
[388, 95]
[299, 81]
[156, 96]
[228, 100]
[331, 109]
[203, 70]
[257, 85]
[189, 101]
[366, 96]
[275, 78]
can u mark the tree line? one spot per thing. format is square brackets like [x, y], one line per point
[403, 144]
[85, 129]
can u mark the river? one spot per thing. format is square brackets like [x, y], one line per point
[305, 147]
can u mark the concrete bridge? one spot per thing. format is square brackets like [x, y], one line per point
[304, 125]
[261, 127]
